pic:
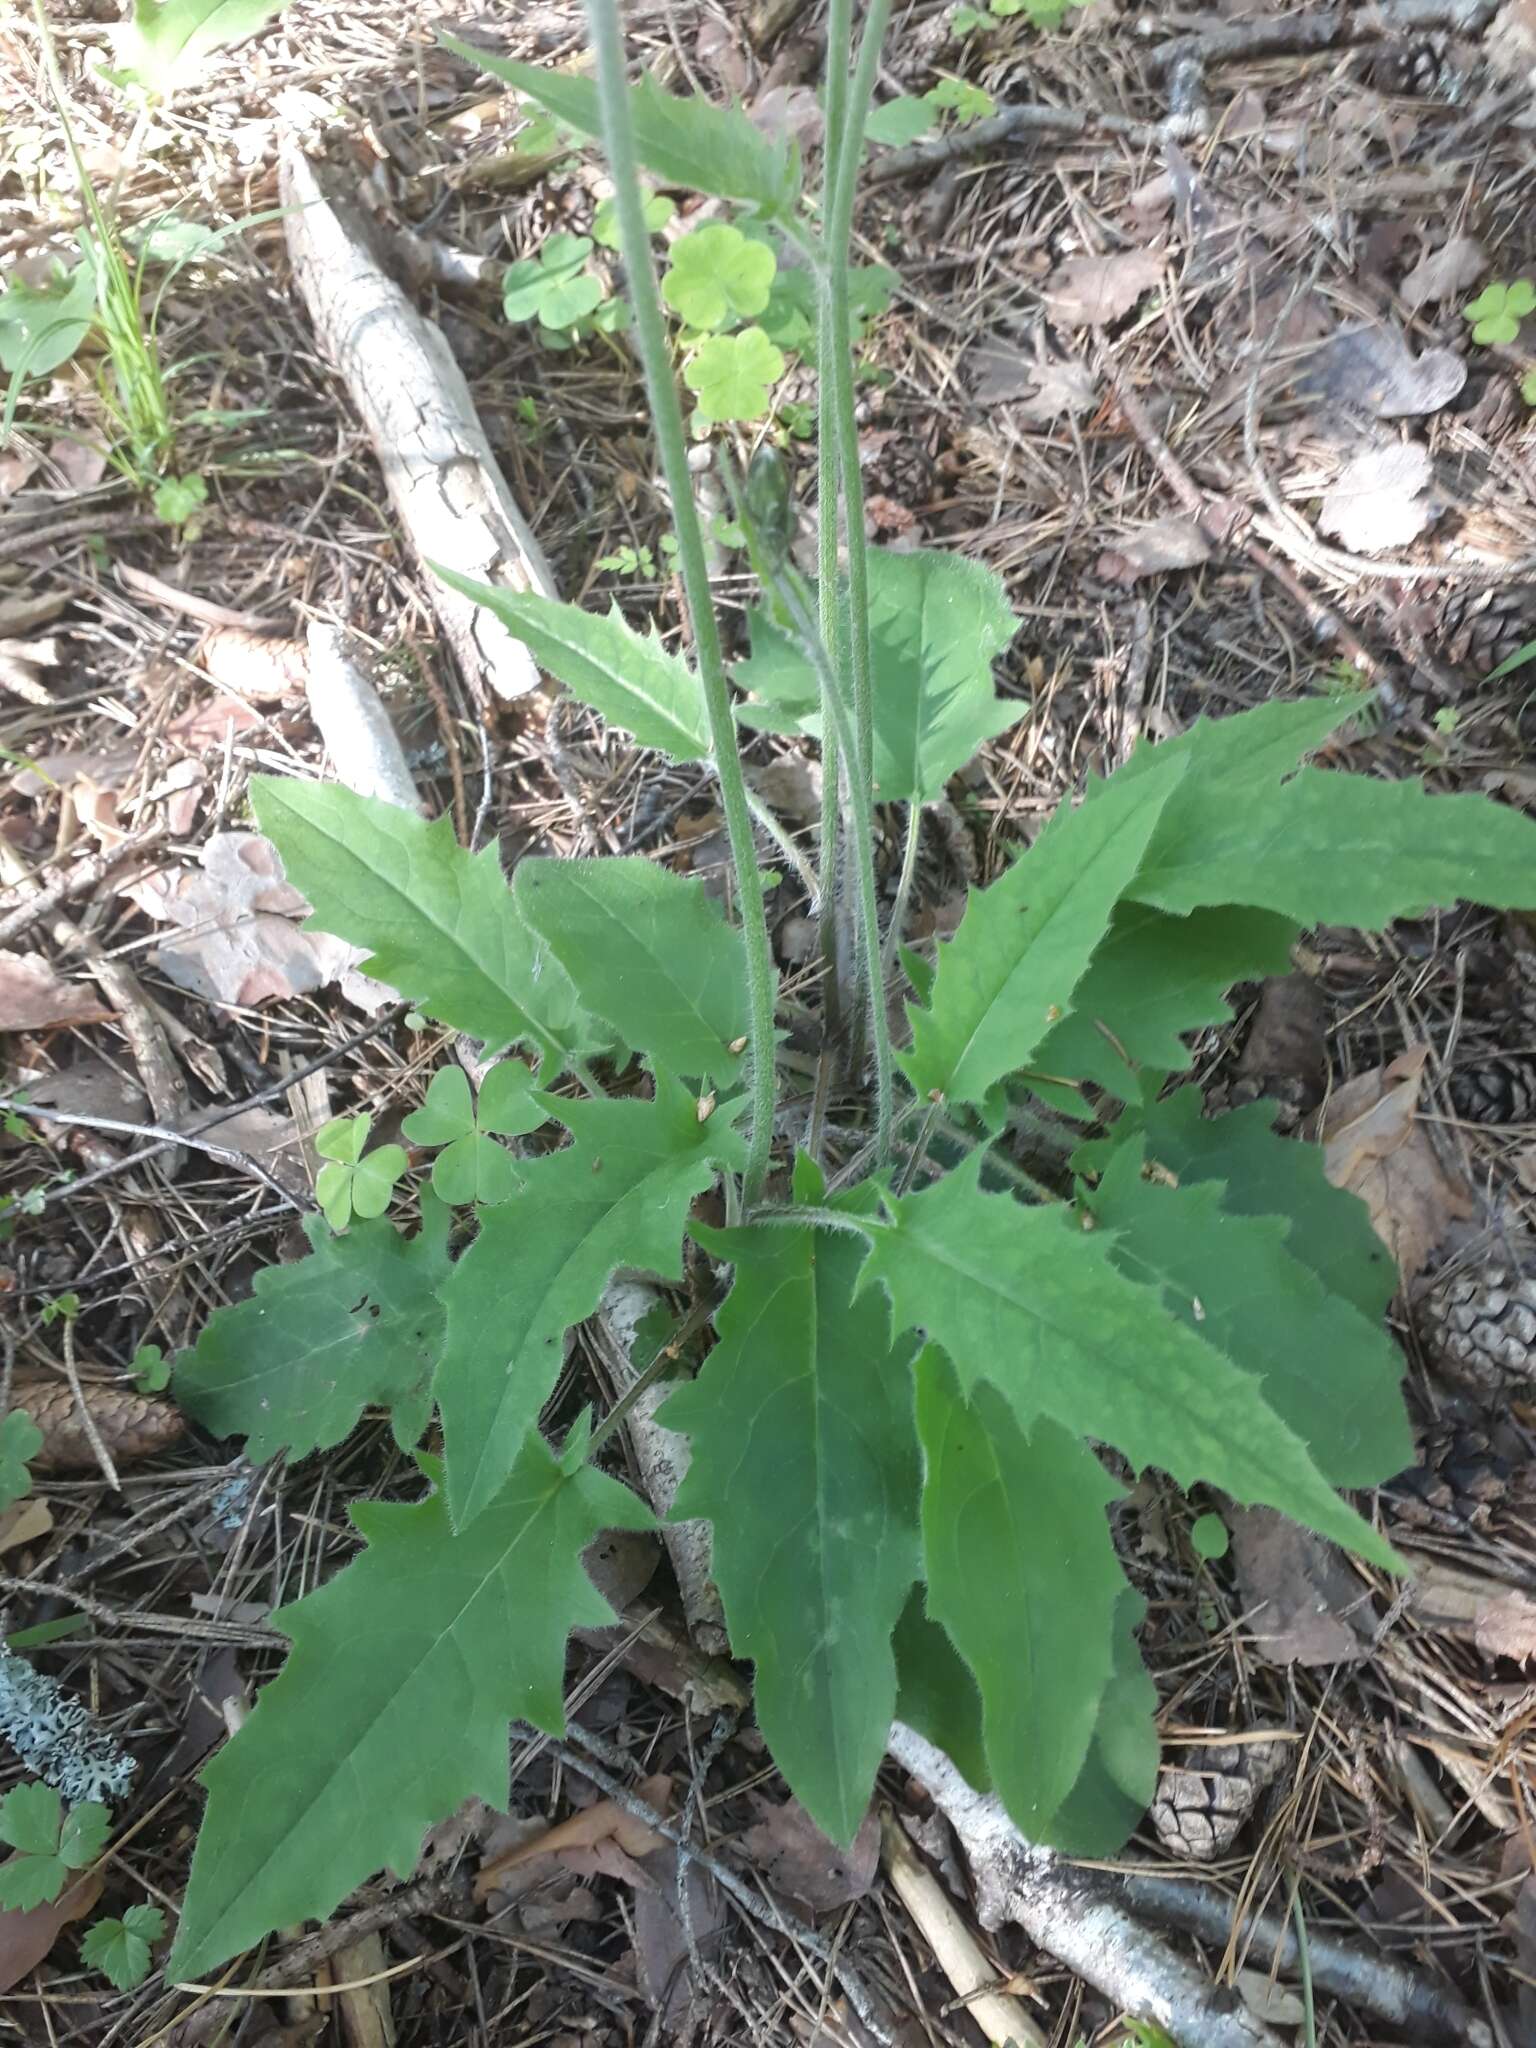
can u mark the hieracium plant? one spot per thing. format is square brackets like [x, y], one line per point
[921, 1356]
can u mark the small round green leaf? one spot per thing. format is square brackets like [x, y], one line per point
[447, 1113]
[717, 275]
[562, 253]
[84, 1834]
[569, 299]
[1209, 1536]
[374, 1177]
[506, 1101]
[30, 1816]
[732, 374]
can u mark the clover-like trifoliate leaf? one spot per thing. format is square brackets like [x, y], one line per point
[618, 1195]
[49, 1844]
[355, 1324]
[648, 952]
[355, 1181]
[439, 922]
[1021, 1510]
[1333, 1374]
[658, 210]
[471, 1166]
[805, 1460]
[732, 374]
[717, 275]
[120, 1948]
[393, 1706]
[937, 623]
[630, 678]
[684, 142]
[1498, 310]
[163, 42]
[1029, 1300]
[1026, 940]
[1154, 979]
[20, 1442]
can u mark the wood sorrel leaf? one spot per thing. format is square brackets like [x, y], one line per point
[392, 1708]
[1027, 1299]
[1025, 942]
[685, 142]
[805, 1460]
[717, 275]
[617, 1196]
[356, 1324]
[440, 922]
[628, 678]
[1005, 1507]
[651, 950]
[1327, 1370]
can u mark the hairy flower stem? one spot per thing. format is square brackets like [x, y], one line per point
[672, 443]
[914, 839]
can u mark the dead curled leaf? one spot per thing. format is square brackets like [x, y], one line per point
[240, 917]
[1500, 1619]
[254, 665]
[34, 996]
[1375, 1146]
[1092, 291]
[132, 1425]
[1376, 501]
[1040, 388]
[604, 1822]
[1444, 273]
[1173, 542]
[1374, 368]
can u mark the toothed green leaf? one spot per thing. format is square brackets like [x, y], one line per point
[1119, 1775]
[393, 1706]
[1026, 941]
[683, 141]
[1028, 1300]
[651, 949]
[356, 1324]
[617, 1196]
[936, 1691]
[629, 678]
[439, 922]
[805, 1459]
[1331, 1373]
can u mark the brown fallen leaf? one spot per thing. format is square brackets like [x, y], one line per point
[242, 941]
[131, 1425]
[1286, 1054]
[1374, 1145]
[35, 997]
[1444, 273]
[1092, 291]
[1377, 500]
[1041, 388]
[1374, 368]
[1172, 542]
[23, 1522]
[603, 1821]
[1301, 1602]
[797, 1860]
[254, 665]
[1500, 1619]
[26, 1938]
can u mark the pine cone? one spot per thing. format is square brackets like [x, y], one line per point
[1498, 1090]
[1480, 1329]
[1459, 1480]
[1200, 1807]
[1478, 629]
[1424, 65]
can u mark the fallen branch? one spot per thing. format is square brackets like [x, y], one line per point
[448, 492]
[1325, 28]
[1013, 124]
[1082, 1919]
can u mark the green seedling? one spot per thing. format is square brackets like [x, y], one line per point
[471, 1166]
[48, 1843]
[354, 1182]
[1498, 309]
[120, 1948]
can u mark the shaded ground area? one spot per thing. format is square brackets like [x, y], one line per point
[1181, 351]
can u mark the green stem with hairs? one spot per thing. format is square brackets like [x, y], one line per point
[672, 443]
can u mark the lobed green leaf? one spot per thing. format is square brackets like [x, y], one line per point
[617, 1196]
[393, 1706]
[356, 1324]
